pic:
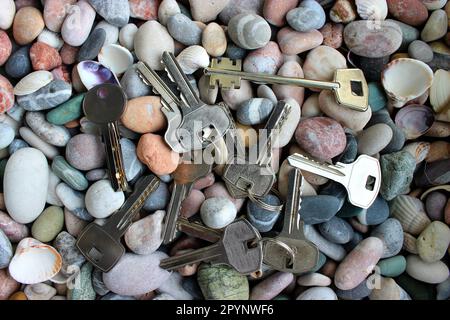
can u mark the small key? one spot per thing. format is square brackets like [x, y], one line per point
[233, 249]
[362, 178]
[349, 85]
[256, 177]
[202, 124]
[198, 230]
[305, 254]
[104, 105]
[184, 177]
[101, 244]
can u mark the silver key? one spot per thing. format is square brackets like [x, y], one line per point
[198, 230]
[233, 249]
[201, 124]
[362, 178]
[301, 255]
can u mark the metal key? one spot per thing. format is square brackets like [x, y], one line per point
[184, 177]
[100, 244]
[233, 249]
[349, 85]
[362, 178]
[256, 178]
[305, 255]
[198, 230]
[202, 124]
[104, 105]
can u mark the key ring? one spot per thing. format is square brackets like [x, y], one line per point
[264, 205]
[283, 245]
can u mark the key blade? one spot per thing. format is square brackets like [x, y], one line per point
[218, 74]
[302, 162]
[203, 254]
[353, 91]
[293, 201]
[198, 230]
[179, 193]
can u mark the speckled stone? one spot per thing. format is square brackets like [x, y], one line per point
[307, 16]
[55, 135]
[6, 250]
[412, 12]
[318, 209]
[85, 152]
[48, 97]
[270, 287]
[116, 12]
[397, 171]
[391, 233]
[337, 230]
[249, 31]
[222, 283]
[433, 242]
[44, 57]
[6, 95]
[156, 154]
[74, 178]
[71, 256]
[85, 290]
[184, 30]
[254, 111]
[260, 218]
[392, 267]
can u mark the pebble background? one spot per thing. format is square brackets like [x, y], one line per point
[52, 162]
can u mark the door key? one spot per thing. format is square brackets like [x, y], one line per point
[362, 178]
[104, 105]
[349, 85]
[101, 244]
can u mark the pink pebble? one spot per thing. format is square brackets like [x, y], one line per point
[205, 182]
[6, 95]
[283, 92]
[270, 287]
[267, 59]
[69, 54]
[144, 9]
[44, 57]
[12, 229]
[191, 205]
[333, 34]
[7, 285]
[5, 47]
[55, 11]
[62, 73]
[219, 189]
[293, 42]
[275, 11]
[78, 23]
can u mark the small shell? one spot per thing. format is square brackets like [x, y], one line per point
[193, 58]
[440, 92]
[93, 73]
[414, 120]
[436, 188]
[401, 89]
[411, 214]
[418, 150]
[33, 82]
[409, 243]
[34, 262]
[372, 9]
[117, 58]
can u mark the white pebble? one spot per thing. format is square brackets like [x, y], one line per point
[218, 212]
[102, 200]
[126, 36]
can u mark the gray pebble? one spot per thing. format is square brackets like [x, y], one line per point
[336, 190]
[308, 16]
[235, 53]
[17, 113]
[48, 97]
[184, 30]
[71, 256]
[254, 111]
[337, 230]
[133, 167]
[116, 12]
[94, 43]
[17, 144]
[73, 201]
[159, 199]
[357, 238]
[376, 214]
[318, 209]
[249, 31]
[351, 150]
[358, 293]
[391, 233]
[6, 250]
[6, 135]
[236, 7]
[96, 174]
[19, 63]
[328, 248]
[133, 85]
[421, 51]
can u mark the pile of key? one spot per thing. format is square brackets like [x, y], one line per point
[194, 126]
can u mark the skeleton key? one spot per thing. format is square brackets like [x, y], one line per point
[349, 85]
[104, 105]
[171, 105]
[184, 177]
[362, 178]
[256, 178]
[233, 249]
[201, 124]
[305, 254]
[101, 244]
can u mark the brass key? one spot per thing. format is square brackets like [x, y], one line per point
[349, 85]
[104, 105]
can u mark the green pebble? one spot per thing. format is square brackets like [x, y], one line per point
[222, 282]
[74, 178]
[397, 171]
[66, 112]
[348, 211]
[83, 289]
[377, 97]
[48, 225]
[418, 290]
[392, 267]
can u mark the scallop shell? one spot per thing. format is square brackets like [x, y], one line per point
[411, 214]
[401, 88]
[33, 82]
[117, 58]
[372, 9]
[92, 73]
[440, 91]
[193, 58]
[34, 262]
[436, 188]
[418, 150]
[415, 120]
[409, 243]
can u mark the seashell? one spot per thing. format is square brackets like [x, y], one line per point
[401, 89]
[34, 262]
[193, 58]
[117, 58]
[418, 150]
[372, 9]
[436, 188]
[439, 129]
[409, 243]
[33, 82]
[39, 291]
[92, 73]
[415, 120]
[411, 214]
[439, 92]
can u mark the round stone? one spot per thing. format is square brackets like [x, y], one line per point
[307, 16]
[156, 154]
[44, 57]
[267, 59]
[144, 236]
[28, 24]
[48, 225]
[85, 152]
[218, 212]
[249, 31]
[428, 272]
[433, 242]
[144, 115]
[319, 209]
[184, 30]
[5, 47]
[214, 40]
[412, 12]
[18, 64]
[102, 200]
[71, 256]
[391, 233]
[374, 139]
[337, 230]
[421, 51]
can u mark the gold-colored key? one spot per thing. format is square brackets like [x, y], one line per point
[349, 85]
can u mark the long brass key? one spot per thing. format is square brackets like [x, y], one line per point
[349, 85]
[104, 105]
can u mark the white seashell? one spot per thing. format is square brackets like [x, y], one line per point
[51, 38]
[39, 291]
[193, 58]
[418, 150]
[440, 92]
[33, 82]
[410, 212]
[34, 262]
[117, 58]
[400, 88]
[372, 9]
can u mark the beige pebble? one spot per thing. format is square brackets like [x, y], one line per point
[144, 115]
[283, 92]
[293, 42]
[28, 24]
[214, 40]
[311, 107]
[387, 289]
[322, 62]
[314, 280]
[374, 139]
[428, 272]
[433, 242]
[207, 94]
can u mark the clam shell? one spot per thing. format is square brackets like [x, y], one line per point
[33, 82]
[117, 58]
[440, 91]
[418, 150]
[415, 120]
[409, 243]
[400, 88]
[411, 214]
[445, 187]
[34, 262]
[92, 73]
[372, 9]
[193, 58]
